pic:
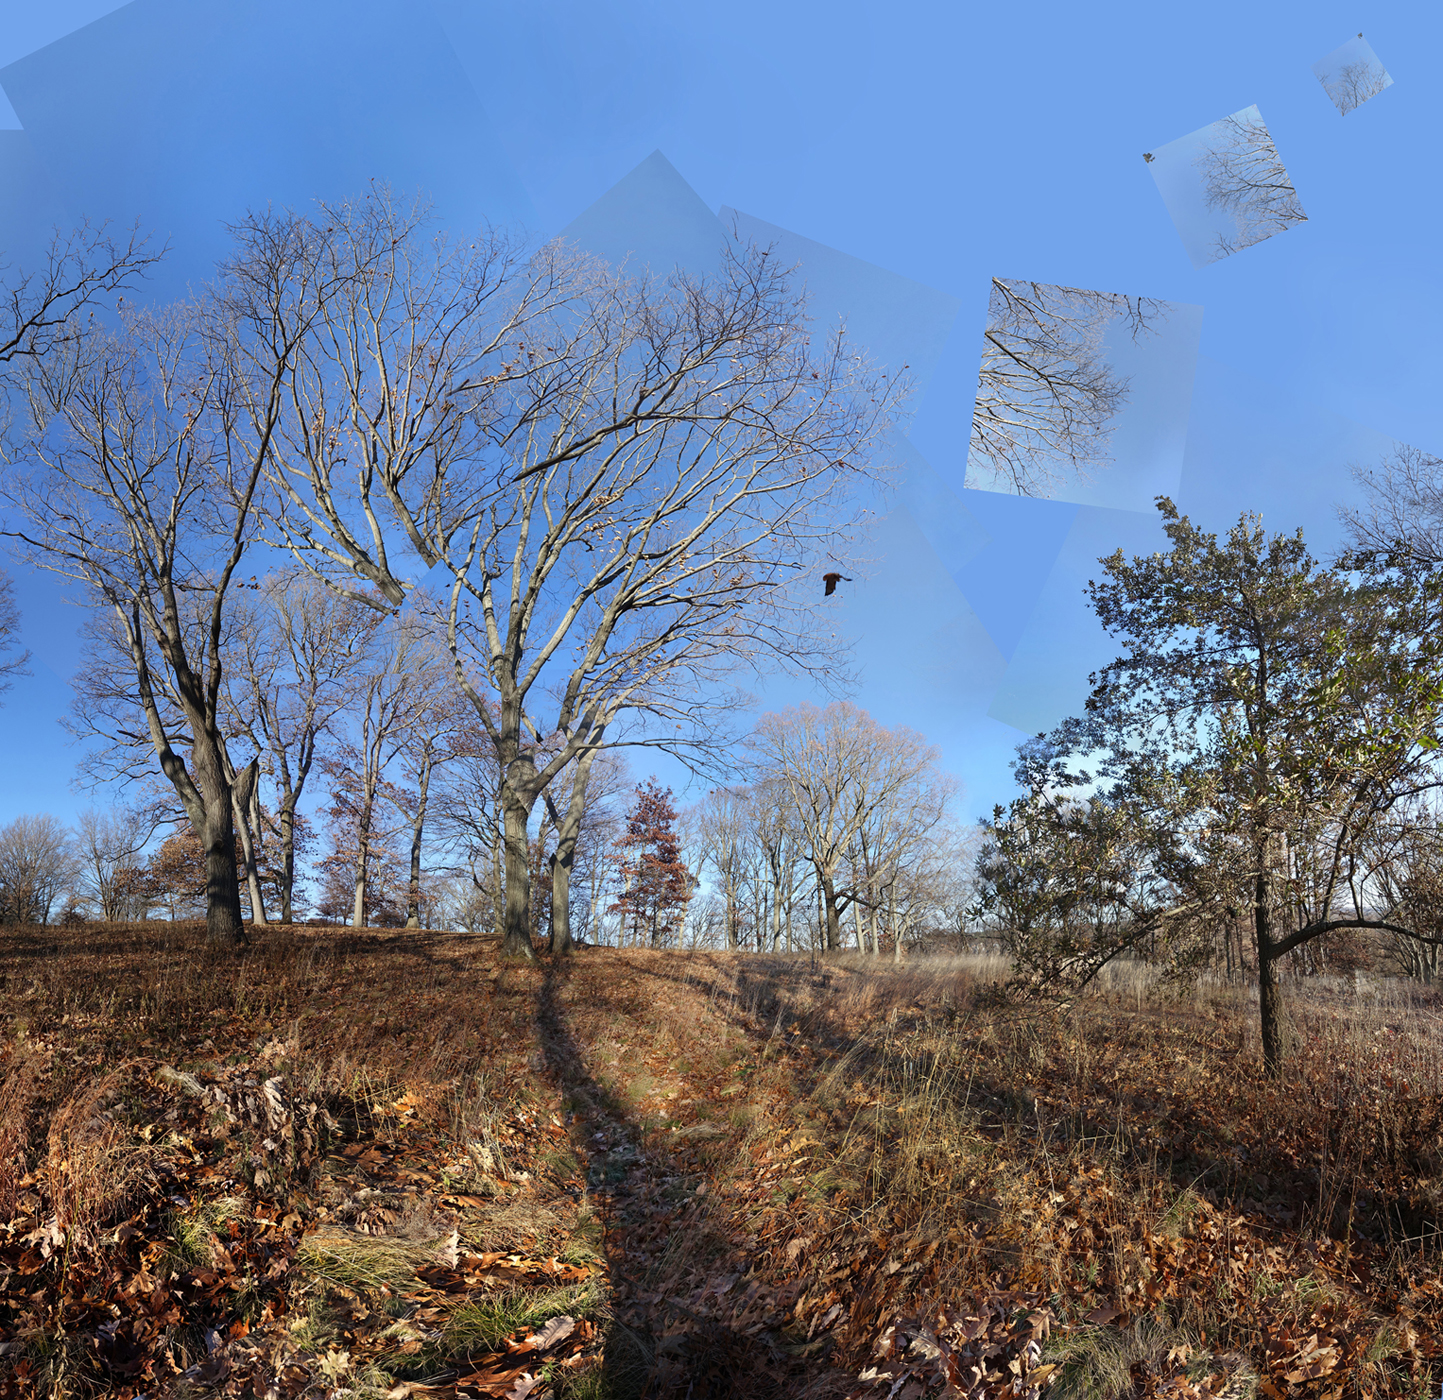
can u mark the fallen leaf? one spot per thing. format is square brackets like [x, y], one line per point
[555, 1332]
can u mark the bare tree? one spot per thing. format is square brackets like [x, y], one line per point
[1047, 397]
[1354, 83]
[37, 865]
[747, 835]
[143, 462]
[568, 824]
[900, 859]
[846, 776]
[720, 830]
[439, 720]
[9, 630]
[40, 309]
[1244, 176]
[1405, 886]
[782, 848]
[81, 266]
[290, 662]
[625, 487]
[593, 850]
[106, 707]
[468, 820]
[395, 705]
[109, 843]
[1402, 514]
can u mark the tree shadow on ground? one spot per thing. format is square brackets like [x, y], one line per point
[659, 1228]
[1230, 1149]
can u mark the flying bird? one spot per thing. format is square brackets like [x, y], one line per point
[1147, 156]
[831, 580]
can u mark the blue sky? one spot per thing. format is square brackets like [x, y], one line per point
[903, 155]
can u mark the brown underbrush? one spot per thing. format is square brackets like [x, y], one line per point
[381, 1163]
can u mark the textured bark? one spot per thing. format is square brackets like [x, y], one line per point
[561, 943]
[1272, 1034]
[363, 861]
[223, 923]
[288, 863]
[568, 829]
[246, 799]
[832, 929]
[516, 912]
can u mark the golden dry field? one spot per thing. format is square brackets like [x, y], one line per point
[379, 1164]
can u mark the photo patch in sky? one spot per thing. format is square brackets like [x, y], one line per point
[1351, 74]
[1225, 187]
[1082, 395]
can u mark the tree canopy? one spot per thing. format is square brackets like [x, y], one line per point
[1235, 761]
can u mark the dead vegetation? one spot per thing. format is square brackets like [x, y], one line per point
[379, 1165]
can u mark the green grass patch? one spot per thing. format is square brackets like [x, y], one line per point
[486, 1324]
[371, 1262]
[1097, 1363]
[193, 1232]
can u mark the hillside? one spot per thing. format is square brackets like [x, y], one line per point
[378, 1164]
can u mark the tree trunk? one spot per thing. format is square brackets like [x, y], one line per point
[224, 926]
[593, 917]
[1268, 992]
[516, 914]
[413, 899]
[288, 859]
[1268, 1008]
[561, 898]
[363, 856]
[498, 869]
[832, 920]
[892, 924]
[245, 793]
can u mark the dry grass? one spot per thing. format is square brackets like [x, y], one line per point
[1129, 1152]
[755, 1164]
[94, 1164]
[20, 1087]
